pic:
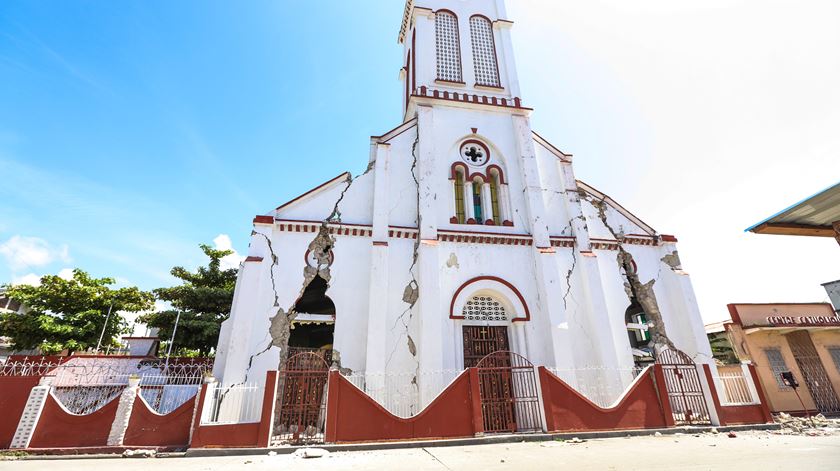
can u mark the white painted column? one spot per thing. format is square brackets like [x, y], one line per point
[469, 209]
[486, 202]
[504, 203]
[550, 327]
[377, 333]
[123, 415]
[31, 414]
[429, 347]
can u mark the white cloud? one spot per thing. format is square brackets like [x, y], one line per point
[28, 252]
[30, 279]
[223, 242]
[66, 274]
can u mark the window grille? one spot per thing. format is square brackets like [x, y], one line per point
[777, 364]
[835, 355]
[447, 45]
[484, 52]
[484, 308]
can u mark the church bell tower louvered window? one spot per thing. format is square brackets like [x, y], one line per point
[484, 52]
[447, 46]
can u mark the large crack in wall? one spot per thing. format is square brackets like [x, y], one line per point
[642, 292]
[411, 293]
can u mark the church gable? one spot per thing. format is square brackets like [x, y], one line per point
[349, 198]
[619, 219]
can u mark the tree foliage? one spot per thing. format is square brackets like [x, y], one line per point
[69, 314]
[204, 300]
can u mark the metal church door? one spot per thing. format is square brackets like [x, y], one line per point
[480, 341]
[813, 372]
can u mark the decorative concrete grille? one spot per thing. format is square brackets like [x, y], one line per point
[484, 308]
[835, 355]
[777, 364]
[484, 52]
[448, 47]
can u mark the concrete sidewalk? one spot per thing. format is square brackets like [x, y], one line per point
[763, 450]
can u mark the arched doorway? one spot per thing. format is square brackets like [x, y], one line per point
[488, 311]
[313, 328]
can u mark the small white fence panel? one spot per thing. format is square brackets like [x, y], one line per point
[232, 404]
[735, 386]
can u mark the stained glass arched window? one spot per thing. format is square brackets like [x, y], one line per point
[448, 47]
[484, 52]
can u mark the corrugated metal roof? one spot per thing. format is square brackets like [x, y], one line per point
[811, 216]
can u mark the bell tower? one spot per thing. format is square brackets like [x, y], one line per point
[461, 48]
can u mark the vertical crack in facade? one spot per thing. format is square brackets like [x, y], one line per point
[411, 293]
[642, 292]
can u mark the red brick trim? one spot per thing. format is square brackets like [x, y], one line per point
[263, 219]
[380, 243]
[667, 238]
[496, 279]
[252, 258]
[424, 92]
[733, 314]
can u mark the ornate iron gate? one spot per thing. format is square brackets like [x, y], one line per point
[685, 392]
[813, 372]
[303, 399]
[509, 397]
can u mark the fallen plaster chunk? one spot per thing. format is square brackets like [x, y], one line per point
[311, 452]
[139, 453]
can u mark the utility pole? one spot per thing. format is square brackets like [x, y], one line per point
[104, 326]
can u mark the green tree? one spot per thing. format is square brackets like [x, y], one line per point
[204, 300]
[69, 314]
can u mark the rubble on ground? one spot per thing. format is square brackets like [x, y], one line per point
[817, 425]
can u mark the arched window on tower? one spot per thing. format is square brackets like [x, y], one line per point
[484, 52]
[460, 213]
[447, 46]
[477, 203]
[495, 188]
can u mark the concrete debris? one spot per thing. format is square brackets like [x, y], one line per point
[139, 453]
[731, 435]
[576, 440]
[657, 434]
[714, 430]
[272, 453]
[310, 452]
[817, 424]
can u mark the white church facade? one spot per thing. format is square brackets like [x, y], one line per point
[468, 233]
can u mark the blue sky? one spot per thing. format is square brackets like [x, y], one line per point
[132, 131]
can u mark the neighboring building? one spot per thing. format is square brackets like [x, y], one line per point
[816, 216]
[469, 233]
[800, 338]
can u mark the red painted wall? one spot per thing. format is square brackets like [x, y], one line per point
[257, 434]
[14, 391]
[148, 428]
[352, 416]
[226, 436]
[735, 415]
[739, 415]
[567, 410]
[59, 429]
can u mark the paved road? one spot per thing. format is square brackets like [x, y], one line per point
[754, 450]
